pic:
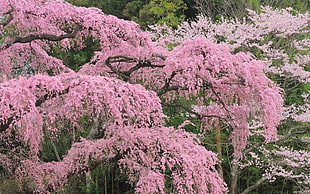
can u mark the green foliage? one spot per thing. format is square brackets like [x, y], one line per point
[251, 175]
[75, 57]
[215, 9]
[253, 4]
[132, 10]
[112, 7]
[170, 12]
[300, 5]
[144, 12]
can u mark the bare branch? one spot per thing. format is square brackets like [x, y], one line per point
[289, 135]
[252, 187]
[141, 63]
[116, 59]
[49, 37]
[31, 37]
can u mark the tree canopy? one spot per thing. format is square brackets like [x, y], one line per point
[112, 106]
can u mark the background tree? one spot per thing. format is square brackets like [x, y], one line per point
[215, 9]
[113, 7]
[280, 37]
[171, 12]
[144, 12]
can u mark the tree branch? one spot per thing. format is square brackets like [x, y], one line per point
[116, 59]
[19, 154]
[218, 98]
[289, 135]
[187, 109]
[49, 37]
[5, 125]
[165, 89]
[31, 37]
[167, 86]
[141, 64]
[126, 74]
[252, 187]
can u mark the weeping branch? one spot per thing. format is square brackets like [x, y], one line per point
[4, 125]
[209, 85]
[140, 63]
[32, 37]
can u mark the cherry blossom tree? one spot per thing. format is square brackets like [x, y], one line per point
[260, 33]
[281, 39]
[281, 162]
[130, 132]
[112, 106]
